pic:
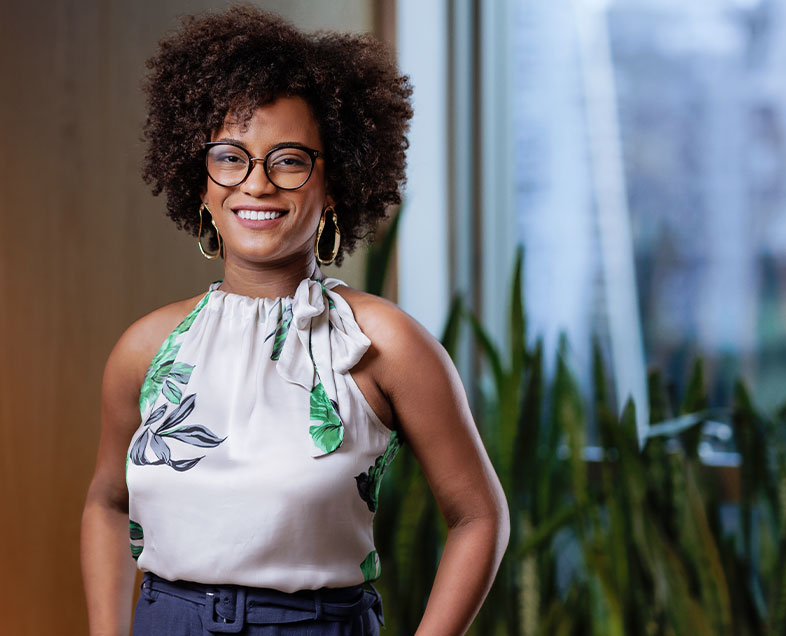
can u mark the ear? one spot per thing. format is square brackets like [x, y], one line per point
[329, 200]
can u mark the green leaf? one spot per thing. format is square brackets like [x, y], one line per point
[181, 372]
[376, 472]
[189, 320]
[379, 256]
[171, 392]
[135, 530]
[329, 434]
[163, 361]
[450, 333]
[371, 567]
[488, 348]
[517, 324]
[281, 332]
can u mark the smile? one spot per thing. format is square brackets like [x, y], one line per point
[253, 215]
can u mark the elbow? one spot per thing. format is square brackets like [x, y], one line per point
[503, 524]
[493, 523]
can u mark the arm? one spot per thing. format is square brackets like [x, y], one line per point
[108, 571]
[431, 410]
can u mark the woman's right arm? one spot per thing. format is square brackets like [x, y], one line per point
[108, 570]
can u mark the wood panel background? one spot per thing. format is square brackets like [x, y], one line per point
[86, 249]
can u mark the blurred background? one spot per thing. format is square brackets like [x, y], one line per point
[593, 225]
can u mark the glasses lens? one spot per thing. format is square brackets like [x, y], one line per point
[227, 165]
[289, 168]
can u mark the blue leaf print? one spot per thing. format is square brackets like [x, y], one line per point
[179, 414]
[159, 447]
[196, 435]
[137, 453]
[156, 415]
[184, 464]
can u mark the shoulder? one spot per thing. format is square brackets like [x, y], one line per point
[134, 350]
[401, 346]
[385, 323]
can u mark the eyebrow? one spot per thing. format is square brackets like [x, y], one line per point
[282, 144]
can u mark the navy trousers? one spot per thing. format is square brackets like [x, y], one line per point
[181, 608]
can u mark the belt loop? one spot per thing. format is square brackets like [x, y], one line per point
[317, 604]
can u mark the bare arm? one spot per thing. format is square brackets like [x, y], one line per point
[108, 570]
[431, 410]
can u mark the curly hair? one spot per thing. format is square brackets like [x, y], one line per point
[242, 58]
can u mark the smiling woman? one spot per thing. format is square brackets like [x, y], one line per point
[245, 431]
[286, 136]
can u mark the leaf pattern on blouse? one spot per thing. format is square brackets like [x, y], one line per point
[163, 371]
[137, 537]
[369, 483]
[193, 434]
[329, 433]
[371, 567]
[281, 331]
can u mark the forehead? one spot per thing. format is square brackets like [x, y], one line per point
[287, 119]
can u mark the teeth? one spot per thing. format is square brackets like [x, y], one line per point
[258, 216]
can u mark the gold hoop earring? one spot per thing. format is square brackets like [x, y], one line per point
[336, 236]
[215, 254]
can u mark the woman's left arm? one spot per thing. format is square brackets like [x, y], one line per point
[430, 409]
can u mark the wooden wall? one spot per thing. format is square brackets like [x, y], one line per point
[85, 251]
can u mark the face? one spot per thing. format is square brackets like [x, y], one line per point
[289, 237]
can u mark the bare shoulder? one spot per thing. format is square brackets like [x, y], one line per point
[136, 347]
[388, 326]
[402, 350]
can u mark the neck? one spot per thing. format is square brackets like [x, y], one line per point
[267, 281]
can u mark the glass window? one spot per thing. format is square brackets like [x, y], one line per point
[650, 154]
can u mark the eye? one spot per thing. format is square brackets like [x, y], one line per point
[289, 159]
[226, 156]
[230, 157]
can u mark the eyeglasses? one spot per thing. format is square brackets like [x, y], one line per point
[287, 166]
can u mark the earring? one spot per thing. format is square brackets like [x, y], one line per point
[336, 236]
[209, 257]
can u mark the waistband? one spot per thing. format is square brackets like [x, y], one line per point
[226, 608]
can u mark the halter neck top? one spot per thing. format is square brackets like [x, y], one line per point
[258, 461]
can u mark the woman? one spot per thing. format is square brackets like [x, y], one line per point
[272, 404]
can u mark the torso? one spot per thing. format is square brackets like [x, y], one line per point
[253, 430]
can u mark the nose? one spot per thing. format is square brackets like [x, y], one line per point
[257, 182]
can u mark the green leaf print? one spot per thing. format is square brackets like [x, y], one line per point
[189, 320]
[136, 534]
[157, 372]
[135, 531]
[281, 332]
[329, 434]
[369, 483]
[371, 567]
[163, 365]
[181, 372]
[171, 392]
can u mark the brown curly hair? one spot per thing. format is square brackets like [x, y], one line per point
[243, 58]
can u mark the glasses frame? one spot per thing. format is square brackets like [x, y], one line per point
[314, 154]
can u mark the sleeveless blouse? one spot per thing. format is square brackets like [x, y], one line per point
[258, 461]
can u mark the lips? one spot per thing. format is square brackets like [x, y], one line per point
[259, 217]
